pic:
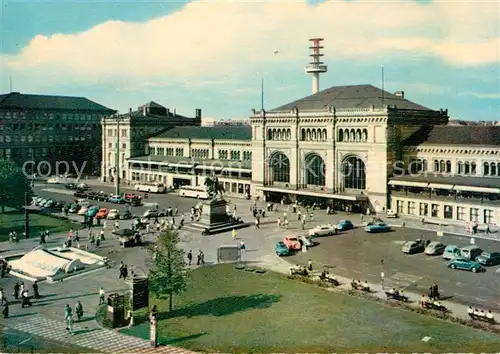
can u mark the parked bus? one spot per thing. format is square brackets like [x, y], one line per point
[150, 187]
[199, 192]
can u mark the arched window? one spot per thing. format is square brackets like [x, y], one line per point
[460, 168]
[442, 166]
[467, 168]
[325, 135]
[448, 166]
[303, 135]
[365, 136]
[358, 135]
[346, 135]
[493, 169]
[498, 168]
[341, 135]
[486, 169]
[353, 169]
[288, 134]
[314, 170]
[280, 167]
[269, 134]
[424, 165]
[314, 136]
[308, 134]
[352, 135]
[436, 166]
[274, 134]
[473, 168]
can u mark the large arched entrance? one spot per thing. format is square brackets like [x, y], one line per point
[354, 173]
[279, 166]
[314, 170]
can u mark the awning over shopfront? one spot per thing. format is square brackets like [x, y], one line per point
[140, 163]
[440, 186]
[349, 197]
[180, 165]
[476, 189]
[238, 170]
[402, 183]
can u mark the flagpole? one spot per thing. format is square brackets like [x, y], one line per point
[262, 94]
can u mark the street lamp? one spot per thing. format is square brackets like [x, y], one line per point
[117, 156]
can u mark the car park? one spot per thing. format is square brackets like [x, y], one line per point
[281, 249]
[451, 251]
[322, 230]
[344, 225]
[374, 227]
[417, 246]
[435, 248]
[306, 241]
[470, 252]
[116, 199]
[462, 263]
[102, 213]
[113, 214]
[489, 259]
[292, 243]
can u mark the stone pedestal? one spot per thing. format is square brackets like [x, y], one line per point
[215, 219]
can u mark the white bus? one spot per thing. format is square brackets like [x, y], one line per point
[199, 192]
[150, 187]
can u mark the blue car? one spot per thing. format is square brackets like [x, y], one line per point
[465, 264]
[281, 249]
[92, 212]
[377, 227]
[343, 225]
[116, 199]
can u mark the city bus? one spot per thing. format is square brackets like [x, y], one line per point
[150, 187]
[199, 192]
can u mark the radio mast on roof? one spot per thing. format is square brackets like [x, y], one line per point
[315, 67]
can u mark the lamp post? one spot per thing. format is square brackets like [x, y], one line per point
[117, 157]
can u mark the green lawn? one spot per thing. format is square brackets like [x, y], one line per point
[228, 310]
[14, 221]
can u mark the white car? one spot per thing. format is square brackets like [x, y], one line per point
[83, 210]
[113, 214]
[392, 214]
[53, 180]
[323, 230]
[83, 202]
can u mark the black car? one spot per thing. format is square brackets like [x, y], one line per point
[80, 193]
[127, 215]
[103, 197]
[92, 195]
[489, 258]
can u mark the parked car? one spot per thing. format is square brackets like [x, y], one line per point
[392, 214]
[322, 230]
[92, 212]
[377, 227]
[126, 215]
[116, 199]
[489, 258]
[471, 252]
[83, 186]
[149, 214]
[80, 193]
[83, 210]
[306, 241]
[344, 225]
[292, 243]
[434, 248]
[417, 246]
[74, 208]
[451, 251]
[102, 213]
[281, 249]
[465, 264]
[113, 214]
[70, 186]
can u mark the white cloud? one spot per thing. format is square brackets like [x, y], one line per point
[213, 40]
[483, 95]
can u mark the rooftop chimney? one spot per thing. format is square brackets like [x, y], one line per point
[197, 113]
[175, 112]
[399, 94]
[168, 111]
[144, 111]
[130, 110]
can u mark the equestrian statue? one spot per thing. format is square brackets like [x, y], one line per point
[214, 187]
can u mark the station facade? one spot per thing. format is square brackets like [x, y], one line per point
[351, 147]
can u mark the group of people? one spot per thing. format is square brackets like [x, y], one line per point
[358, 284]
[13, 238]
[200, 260]
[479, 313]
[123, 271]
[68, 315]
[20, 292]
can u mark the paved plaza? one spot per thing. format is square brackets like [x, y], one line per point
[352, 254]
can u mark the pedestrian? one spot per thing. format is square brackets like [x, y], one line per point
[303, 223]
[16, 290]
[5, 310]
[122, 266]
[1, 296]
[279, 222]
[201, 258]
[257, 226]
[233, 234]
[242, 245]
[102, 235]
[125, 272]
[21, 290]
[309, 266]
[68, 317]
[190, 257]
[147, 228]
[79, 310]
[102, 293]
[25, 299]
[36, 294]
[77, 239]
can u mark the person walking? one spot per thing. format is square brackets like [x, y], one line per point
[16, 290]
[5, 310]
[36, 294]
[2, 298]
[79, 310]
[102, 294]
[257, 223]
[68, 317]
[190, 257]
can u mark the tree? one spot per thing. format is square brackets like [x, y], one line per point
[169, 273]
[13, 185]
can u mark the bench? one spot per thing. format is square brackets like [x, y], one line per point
[330, 279]
[432, 306]
[482, 318]
[396, 296]
[356, 286]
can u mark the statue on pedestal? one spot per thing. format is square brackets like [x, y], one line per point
[214, 187]
[153, 326]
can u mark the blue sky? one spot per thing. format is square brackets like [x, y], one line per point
[212, 55]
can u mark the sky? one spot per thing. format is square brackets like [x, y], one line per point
[214, 54]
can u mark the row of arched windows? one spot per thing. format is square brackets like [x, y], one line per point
[353, 135]
[200, 153]
[466, 168]
[442, 166]
[279, 134]
[491, 169]
[313, 135]
[353, 170]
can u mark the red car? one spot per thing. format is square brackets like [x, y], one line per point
[292, 243]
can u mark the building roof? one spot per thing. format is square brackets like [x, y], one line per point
[16, 100]
[353, 96]
[455, 135]
[216, 132]
[152, 104]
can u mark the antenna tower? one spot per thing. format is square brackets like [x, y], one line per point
[315, 67]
